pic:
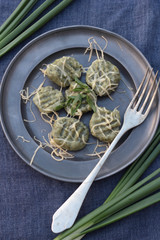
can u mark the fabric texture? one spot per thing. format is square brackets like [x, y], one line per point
[27, 198]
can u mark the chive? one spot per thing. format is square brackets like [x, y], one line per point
[138, 164]
[91, 103]
[59, 107]
[72, 97]
[130, 196]
[107, 213]
[77, 89]
[155, 198]
[139, 171]
[69, 100]
[76, 104]
[128, 211]
[83, 95]
[37, 25]
[25, 23]
[73, 111]
[85, 90]
[15, 13]
[19, 17]
[81, 84]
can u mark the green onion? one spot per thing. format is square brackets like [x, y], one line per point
[69, 100]
[91, 103]
[76, 104]
[77, 89]
[17, 19]
[130, 196]
[138, 167]
[81, 84]
[15, 13]
[21, 27]
[76, 100]
[37, 25]
[126, 199]
[128, 211]
[155, 198]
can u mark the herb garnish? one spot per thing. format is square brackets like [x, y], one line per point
[75, 101]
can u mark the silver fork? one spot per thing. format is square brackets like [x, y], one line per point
[135, 114]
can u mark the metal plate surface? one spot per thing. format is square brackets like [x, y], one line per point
[24, 71]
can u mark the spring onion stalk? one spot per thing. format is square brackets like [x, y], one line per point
[18, 19]
[15, 13]
[128, 211]
[129, 197]
[21, 27]
[127, 177]
[138, 170]
[132, 195]
[112, 209]
[37, 25]
[140, 205]
[145, 165]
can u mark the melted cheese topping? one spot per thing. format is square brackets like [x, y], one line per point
[69, 133]
[103, 77]
[105, 124]
[63, 71]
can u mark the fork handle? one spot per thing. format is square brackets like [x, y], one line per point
[65, 216]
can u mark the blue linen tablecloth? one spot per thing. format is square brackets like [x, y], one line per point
[27, 198]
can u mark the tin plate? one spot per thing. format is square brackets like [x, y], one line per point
[24, 72]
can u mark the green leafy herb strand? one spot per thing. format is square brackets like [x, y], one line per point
[135, 193]
[127, 198]
[15, 13]
[37, 25]
[21, 27]
[155, 198]
[81, 84]
[91, 103]
[76, 101]
[140, 163]
[76, 104]
[17, 20]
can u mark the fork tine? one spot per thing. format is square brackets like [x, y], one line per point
[144, 90]
[148, 94]
[154, 94]
[138, 90]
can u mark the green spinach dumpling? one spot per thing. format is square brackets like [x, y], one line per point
[48, 99]
[104, 124]
[63, 71]
[103, 77]
[80, 98]
[69, 133]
